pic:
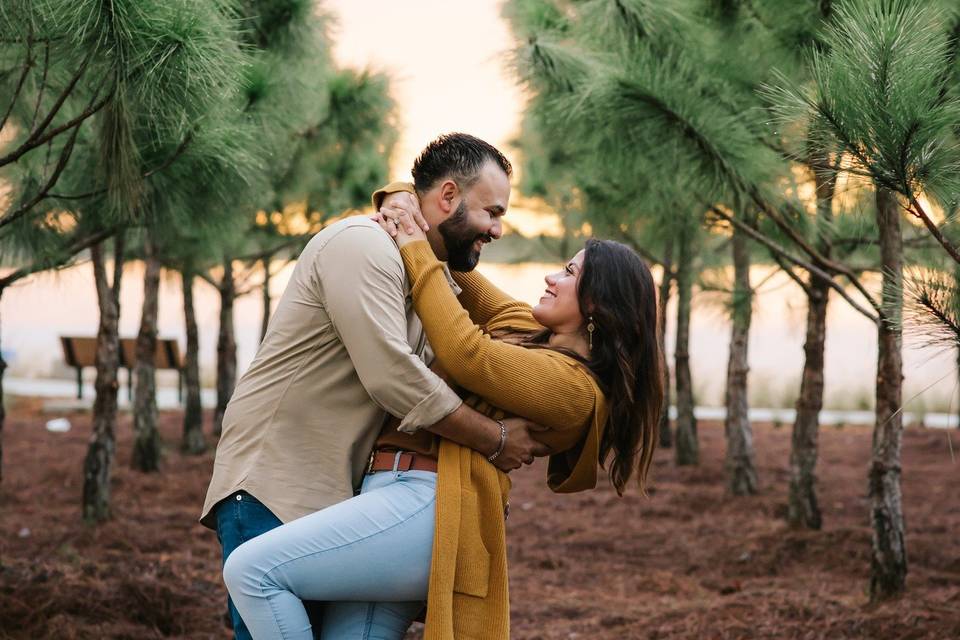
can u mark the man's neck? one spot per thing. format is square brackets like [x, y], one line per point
[436, 243]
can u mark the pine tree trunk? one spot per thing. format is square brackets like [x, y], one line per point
[888, 569]
[193, 441]
[3, 411]
[226, 347]
[803, 509]
[687, 450]
[741, 471]
[265, 321]
[146, 443]
[98, 463]
[666, 438]
[956, 279]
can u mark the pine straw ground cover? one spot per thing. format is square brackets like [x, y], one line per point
[689, 562]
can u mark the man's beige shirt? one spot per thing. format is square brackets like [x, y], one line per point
[343, 349]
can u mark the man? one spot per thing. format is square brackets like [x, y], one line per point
[345, 349]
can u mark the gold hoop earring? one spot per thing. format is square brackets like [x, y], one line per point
[590, 329]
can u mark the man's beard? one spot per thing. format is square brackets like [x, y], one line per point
[458, 239]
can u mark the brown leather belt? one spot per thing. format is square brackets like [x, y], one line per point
[381, 460]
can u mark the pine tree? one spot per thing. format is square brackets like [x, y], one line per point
[101, 103]
[884, 93]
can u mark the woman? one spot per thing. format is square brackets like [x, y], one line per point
[584, 363]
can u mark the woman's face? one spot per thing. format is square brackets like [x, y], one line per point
[559, 308]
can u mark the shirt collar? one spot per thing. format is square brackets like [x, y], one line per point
[453, 283]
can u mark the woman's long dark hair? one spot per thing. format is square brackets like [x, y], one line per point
[617, 290]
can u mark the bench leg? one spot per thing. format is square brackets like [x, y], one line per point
[79, 383]
[130, 386]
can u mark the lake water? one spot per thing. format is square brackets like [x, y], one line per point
[35, 312]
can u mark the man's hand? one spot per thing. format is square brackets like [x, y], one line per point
[520, 447]
[472, 429]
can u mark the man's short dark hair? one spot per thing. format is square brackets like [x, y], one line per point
[457, 156]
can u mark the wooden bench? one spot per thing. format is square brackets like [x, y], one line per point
[81, 351]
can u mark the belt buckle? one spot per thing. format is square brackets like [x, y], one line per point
[370, 462]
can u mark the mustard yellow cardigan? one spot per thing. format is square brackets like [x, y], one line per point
[467, 596]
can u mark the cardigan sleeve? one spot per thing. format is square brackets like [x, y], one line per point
[541, 385]
[377, 198]
[490, 307]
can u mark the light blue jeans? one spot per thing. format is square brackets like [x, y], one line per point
[368, 557]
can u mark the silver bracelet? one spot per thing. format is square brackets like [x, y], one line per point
[503, 441]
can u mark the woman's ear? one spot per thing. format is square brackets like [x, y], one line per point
[589, 306]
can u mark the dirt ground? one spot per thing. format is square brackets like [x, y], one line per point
[687, 562]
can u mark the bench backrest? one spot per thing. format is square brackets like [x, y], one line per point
[81, 351]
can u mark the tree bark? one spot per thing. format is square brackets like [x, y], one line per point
[741, 471]
[226, 347]
[146, 443]
[687, 451]
[193, 442]
[265, 321]
[3, 412]
[888, 569]
[666, 437]
[803, 509]
[98, 463]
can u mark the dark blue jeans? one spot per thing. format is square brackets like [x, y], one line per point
[241, 517]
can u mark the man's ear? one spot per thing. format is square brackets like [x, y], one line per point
[449, 195]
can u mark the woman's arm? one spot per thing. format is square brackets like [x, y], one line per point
[393, 187]
[490, 307]
[537, 384]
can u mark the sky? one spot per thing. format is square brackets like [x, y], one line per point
[448, 62]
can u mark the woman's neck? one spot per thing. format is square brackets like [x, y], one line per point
[572, 341]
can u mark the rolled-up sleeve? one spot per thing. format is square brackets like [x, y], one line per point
[361, 273]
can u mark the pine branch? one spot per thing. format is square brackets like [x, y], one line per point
[99, 192]
[27, 64]
[38, 138]
[813, 269]
[934, 309]
[240, 281]
[917, 210]
[63, 257]
[645, 253]
[815, 255]
[43, 84]
[74, 123]
[77, 196]
[853, 243]
[927, 303]
[65, 154]
[206, 277]
[176, 154]
[787, 269]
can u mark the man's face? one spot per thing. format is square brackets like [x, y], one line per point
[476, 220]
